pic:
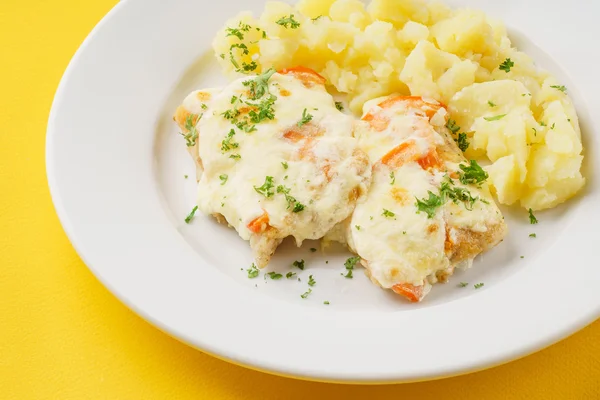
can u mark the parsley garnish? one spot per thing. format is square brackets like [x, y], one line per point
[316, 18]
[463, 143]
[228, 143]
[253, 271]
[349, 264]
[463, 284]
[339, 105]
[456, 194]
[311, 281]
[285, 21]
[185, 176]
[452, 127]
[478, 285]
[298, 207]
[285, 164]
[191, 215]
[491, 103]
[326, 302]
[506, 65]
[290, 199]
[532, 219]
[313, 250]
[306, 118]
[235, 156]
[274, 275]
[223, 178]
[305, 294]
[393, 178]
[561, 88]
[388, 213]
[532, 235]
[259, 85]
[472, 173]
[495, 118]
[357, 227]
[266, 187]
[429, 205]
[299, 264]
[190, 125]
[290, 275]
[542, 123]
[553, 125]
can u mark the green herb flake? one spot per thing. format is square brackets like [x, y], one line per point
[290, 275]
[223, 178]
[491, 103]
[190, 126]
[350, 264]
[532, 219]
[190, 216]
[495, 117]
[393, 178]
[259, 86]
[478, 285]
[306, 118]
[463, 143]
[253, 272]
[313, 250]
[532, 235]
[472, 173]
[235, 156]
[429, 205]
[339, 105]
[285, 165]
[305, 294]
[388, 213]
[288, 22]
[274, 275]
[559, 87]
[506, 65]
[266, 187]
[185, 176]
[452, 127]
[299, 264]
[311, 281]
[357, 227]
[326, 302]
[463, 284]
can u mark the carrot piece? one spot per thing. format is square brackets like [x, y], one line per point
[431, 160]
[380, 122]
[400, 155]
[308, 76]
[259, 224]
[411, 292]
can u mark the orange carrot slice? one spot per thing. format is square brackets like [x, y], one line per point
[411, 292]
[259, 224]
[379, 121]
[308, 76]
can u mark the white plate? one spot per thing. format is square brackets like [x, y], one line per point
[116, 171]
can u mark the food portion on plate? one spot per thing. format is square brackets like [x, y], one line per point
[275, 157]
[507, 111]
[451, 114]
[428, 210]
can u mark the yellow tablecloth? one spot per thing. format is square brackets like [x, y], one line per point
[64, 336]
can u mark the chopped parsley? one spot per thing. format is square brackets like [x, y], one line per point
[223, 178]
[316, 18]
[463, 284]
[491, 103]
[350, 264]
[259, 85]
[299, 264]
[506, 65]
[228, 143]
[306, 118]
[285, 165]
[393, 178]
[388, 213]
[237, 32]
[463, 143]
[192, 133]
[532, 219]
[190, 216]
[326, 302]
[185, 176]
[357, 227]
[313, 250]
[274, 275]
[290, 275]
[472, 174]
[478, 285]
[542, 123]
[429, 205]
[263, 110]
[339, 105]
[532, 235]
[266, 187]
[288, 22]
[235, 156]
[553, 125]
[305, 294]
[452, 127]
[456, 194]
[297, 206]
[311, 281]
[561, 88]
[495, 117]
[252, 271]
[204, 106]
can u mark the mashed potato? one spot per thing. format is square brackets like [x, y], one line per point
[515, 115]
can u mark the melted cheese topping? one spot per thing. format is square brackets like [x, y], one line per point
[317, 163]
[397, 243]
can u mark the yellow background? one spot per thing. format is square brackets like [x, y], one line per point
[63, 336]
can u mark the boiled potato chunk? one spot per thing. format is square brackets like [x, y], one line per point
[467, 31]
[504, 179]
[315, 8]
[399, 12]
